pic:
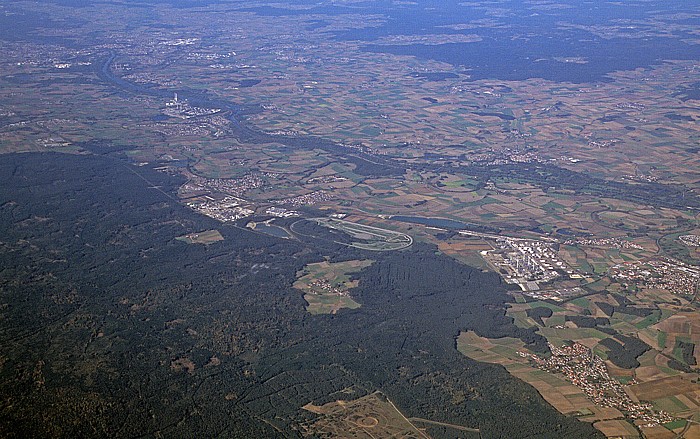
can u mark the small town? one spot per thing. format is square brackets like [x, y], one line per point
[690, 240]
[588, 372]
[604, 242]
[235, 187]
[306, 199]
[326, 179]
[666, 274]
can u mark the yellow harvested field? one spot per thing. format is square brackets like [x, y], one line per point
[693, 431]
[658, 432]
[650, 373]
[617, 428]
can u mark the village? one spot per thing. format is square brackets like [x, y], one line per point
[667, 274]
[588, 372]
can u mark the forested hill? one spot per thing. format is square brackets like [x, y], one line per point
[110, 327]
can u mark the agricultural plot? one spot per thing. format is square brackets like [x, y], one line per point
[666, 388]
[682, 327]
[617, 428]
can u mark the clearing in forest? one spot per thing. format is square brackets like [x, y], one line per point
[206, 237]
[326, 285]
